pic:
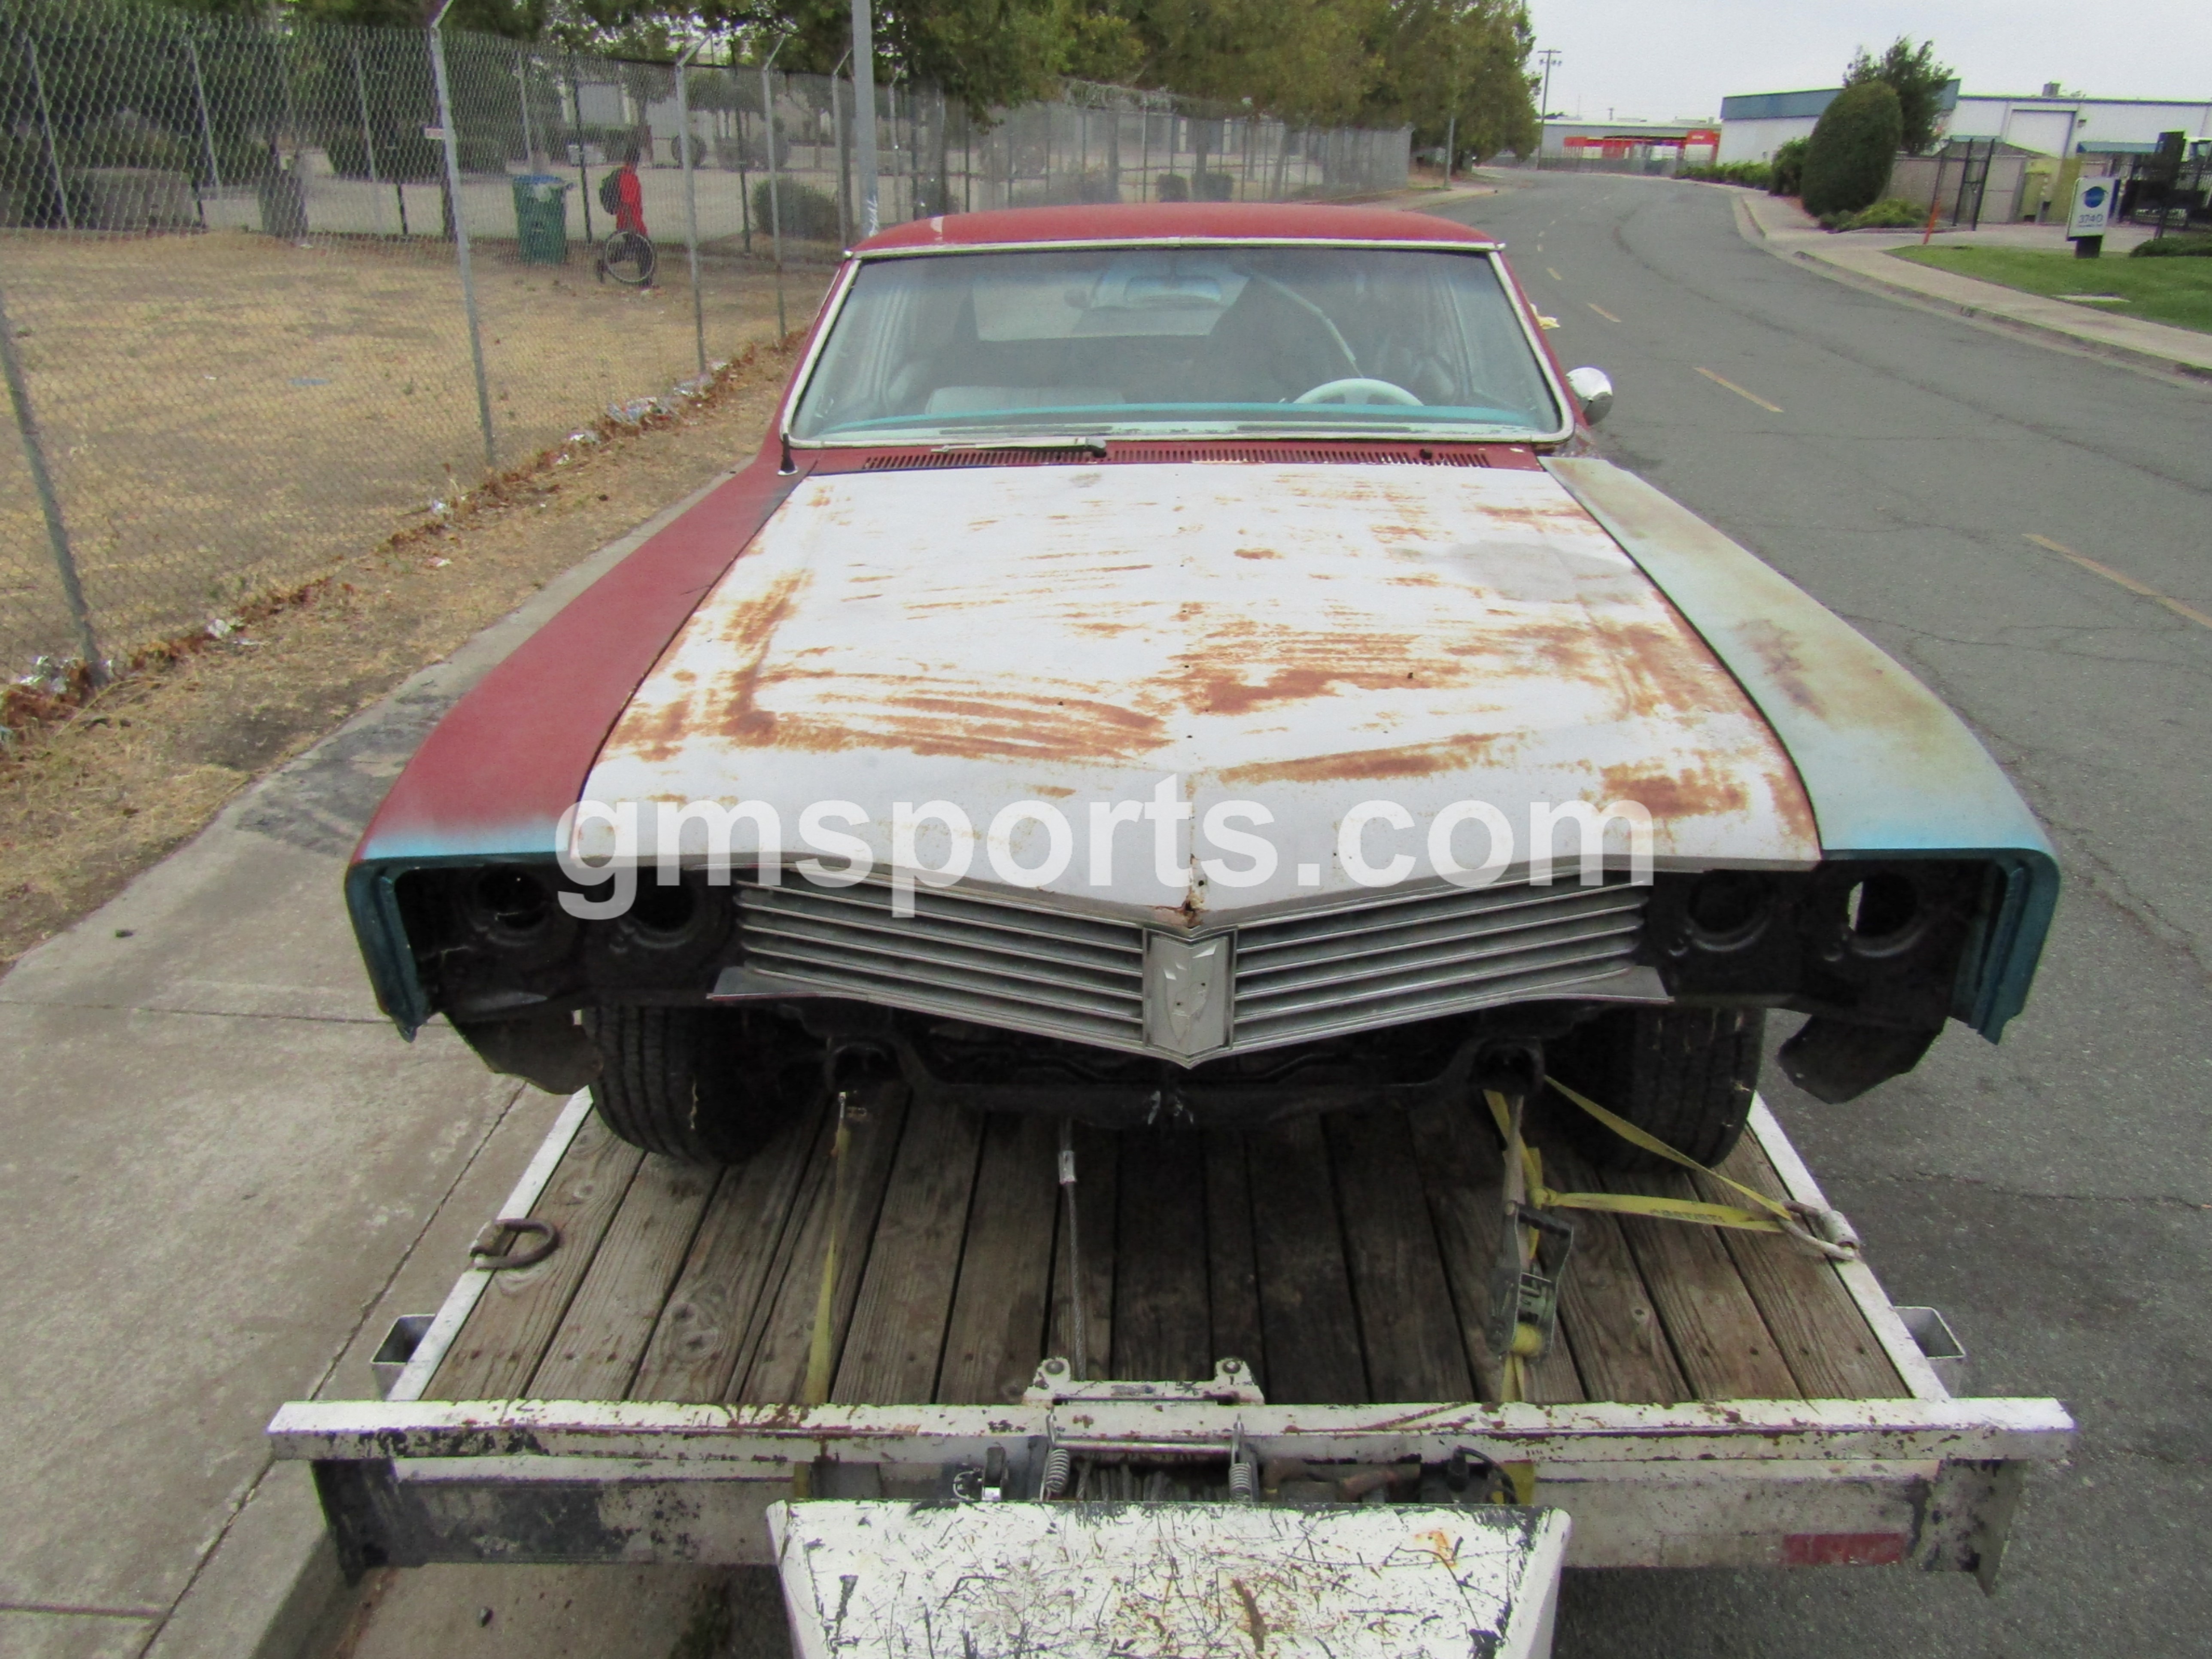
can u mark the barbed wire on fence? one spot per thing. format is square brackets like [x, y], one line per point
[232, 253]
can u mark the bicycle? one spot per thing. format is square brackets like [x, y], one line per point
[628, 257]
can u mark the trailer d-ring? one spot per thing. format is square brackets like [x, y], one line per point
[492, 1261]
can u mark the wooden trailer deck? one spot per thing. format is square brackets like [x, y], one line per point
[1343, 1258]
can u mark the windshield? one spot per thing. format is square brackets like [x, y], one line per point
[1150, 341]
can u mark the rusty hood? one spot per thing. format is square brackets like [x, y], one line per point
[1303, 638]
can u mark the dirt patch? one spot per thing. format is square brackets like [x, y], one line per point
[88, 803]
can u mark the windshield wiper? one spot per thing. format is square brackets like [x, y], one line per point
[1091, 445]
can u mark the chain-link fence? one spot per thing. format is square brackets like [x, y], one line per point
[270, 289]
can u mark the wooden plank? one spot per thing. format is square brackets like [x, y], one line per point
[604, 1332]
[1408, 1324]
[1620, 1345]
[713, 1314]
[1823, 1337]
[1231, 1268]
[996, 1330]
[1461, 1172]
[1161, 1324]
[1098, 1157]
[1307, 1318]
[776, 1374]
[898, 1335]
[496, 1351]
[1711, 1322]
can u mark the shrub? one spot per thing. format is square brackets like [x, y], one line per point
[1787, 171]
[1848, 162]
[1215, 187]
[2173, 247]
[1172, 187]
[808, 213]
[1891, 213]
[1754, 174]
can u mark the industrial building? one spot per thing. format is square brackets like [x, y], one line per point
[1753, 125]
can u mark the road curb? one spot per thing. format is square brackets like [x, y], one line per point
[1749, 227]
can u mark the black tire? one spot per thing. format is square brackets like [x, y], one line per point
[701, 1085]
[1684, 1075]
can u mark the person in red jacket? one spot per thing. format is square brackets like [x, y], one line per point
[630, 213]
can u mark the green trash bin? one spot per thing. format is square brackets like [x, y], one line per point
[541, 218]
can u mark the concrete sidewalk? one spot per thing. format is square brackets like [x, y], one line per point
[1864, 257]
[222, 1175]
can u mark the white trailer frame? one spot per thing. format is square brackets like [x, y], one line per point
[1927, 1481]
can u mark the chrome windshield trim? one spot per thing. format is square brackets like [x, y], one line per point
[1074, 242]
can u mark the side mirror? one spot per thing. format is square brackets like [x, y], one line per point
[1593, 389]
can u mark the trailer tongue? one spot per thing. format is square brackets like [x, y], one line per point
[633, 1393]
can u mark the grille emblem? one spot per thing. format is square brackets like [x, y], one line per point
[1186, 993]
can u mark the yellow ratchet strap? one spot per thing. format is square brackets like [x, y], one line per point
[1528, 1341]
[1824, 1231]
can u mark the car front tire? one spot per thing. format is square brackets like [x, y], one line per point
[1685, 1076]
[700, 1086]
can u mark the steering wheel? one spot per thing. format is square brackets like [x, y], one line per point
[1357, 390]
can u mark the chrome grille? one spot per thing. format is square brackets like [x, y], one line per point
[999, 964]
[1382, 964]
[1294, 977]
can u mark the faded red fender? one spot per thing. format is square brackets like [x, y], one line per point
[497, 771]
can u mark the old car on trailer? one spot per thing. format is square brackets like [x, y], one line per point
[1139, 683]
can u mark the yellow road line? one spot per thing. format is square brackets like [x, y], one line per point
[1601, 311]
[1551, 273]
[2141, 589]
[1771, 408]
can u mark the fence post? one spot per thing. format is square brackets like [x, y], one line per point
[207, 127]
[34, 454]
[583, 161]
[46, 127]
[685, 144]
[863, 113]
[522, 93]
[461, 232]
[774, 188]
[844, 161]
[368, 134]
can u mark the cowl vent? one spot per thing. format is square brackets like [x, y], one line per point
[1145, 454]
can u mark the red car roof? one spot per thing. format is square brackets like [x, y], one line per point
[1233, 221]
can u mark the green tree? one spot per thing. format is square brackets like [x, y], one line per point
[1848, 162]
[1457, 68]
[1918, 80]
[1305, 60]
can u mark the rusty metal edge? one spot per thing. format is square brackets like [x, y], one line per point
[1889, 769]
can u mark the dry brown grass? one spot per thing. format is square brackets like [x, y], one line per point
[87, 802]
[228, 411]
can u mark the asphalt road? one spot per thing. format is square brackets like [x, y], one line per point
[2051, 1194]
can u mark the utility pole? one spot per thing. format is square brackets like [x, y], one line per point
[1549, 58]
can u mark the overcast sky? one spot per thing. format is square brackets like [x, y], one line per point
[1660, 60]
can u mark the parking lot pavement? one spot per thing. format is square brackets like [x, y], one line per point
[220, 1173]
